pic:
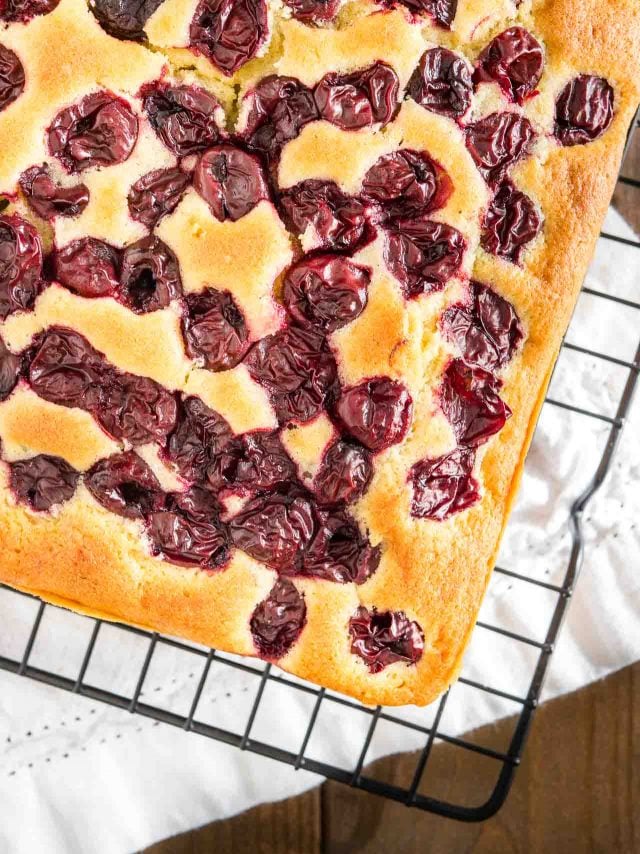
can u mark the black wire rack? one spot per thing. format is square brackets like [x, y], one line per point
[425, 725]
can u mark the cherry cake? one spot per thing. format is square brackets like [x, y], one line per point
[281, 288]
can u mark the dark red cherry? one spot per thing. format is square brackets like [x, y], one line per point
[99, 130]
[88, 267]
[23, 10]
[487, 331]
[230, 181]
[157, 193]
[229, 32]
[344, 473]
[252, 462]
[279, 107]
[184, 117]
[49, 199]
[188, 532]
[149, 276]
[422, 254]
[276, 528]
[124, 19]
[42, 481]
[338, 221]
[470, 401]
[406, 183]
[313, 11]
[125, 485]
[442, 11]
[510, 223]
[298, 370]
[136, 409]
[359, 99]
[339, 551]
[10, 369]
[377, 412]
[444, 485]
[20, 265]
[497, 142]
[278, 620]
[514, 60]
[65, 369]
[214, 329]
[11, 77]
[584, 110]
[326, 291]
[381, 638]
[199, 436]
[442, 83]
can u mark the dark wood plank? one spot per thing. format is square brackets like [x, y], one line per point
[577, 791]
[627, 199]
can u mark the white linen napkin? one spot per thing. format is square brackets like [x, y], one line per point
[77, 776]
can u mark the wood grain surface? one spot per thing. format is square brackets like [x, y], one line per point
[577, 791]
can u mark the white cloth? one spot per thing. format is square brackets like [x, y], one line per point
[78, 776]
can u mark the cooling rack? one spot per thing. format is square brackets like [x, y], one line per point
[425, 725]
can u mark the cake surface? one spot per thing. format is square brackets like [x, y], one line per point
[282, 285]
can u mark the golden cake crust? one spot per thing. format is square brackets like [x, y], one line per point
[88, 559]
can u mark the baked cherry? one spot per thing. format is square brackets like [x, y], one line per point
[252, 462]
[510, 223]
[442, 11]
[11, 77]
[229, 32]
[157, 193]
[124, 484]
[406, 183]
[497, 141]
[326, 291]
[42, 481]
[444, 485]
[187, 530]
[514, 60]
[49, 199]
[470, 401]
[278, 620]
[136, 409]
[377, 412]
[358, 99]
[88, 267]
[584, 110]
[278, 109]
[298, 370]
[313, 11]
[422, 254]
[124, 19]
[231, 181]
[339, 551]
[24, 10]
[487, 331]
[20, 265]
[442, 83]
[149, 275]
[65, 369]
[381, 638]
[276, 528]
[199, 436]
[344, 473]
[99, 130]
[338, 221]
[214, 329]
[184, 117]
[10, 369]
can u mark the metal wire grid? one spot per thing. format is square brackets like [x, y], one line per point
[504, 761]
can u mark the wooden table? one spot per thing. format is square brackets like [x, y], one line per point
[577, 791]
